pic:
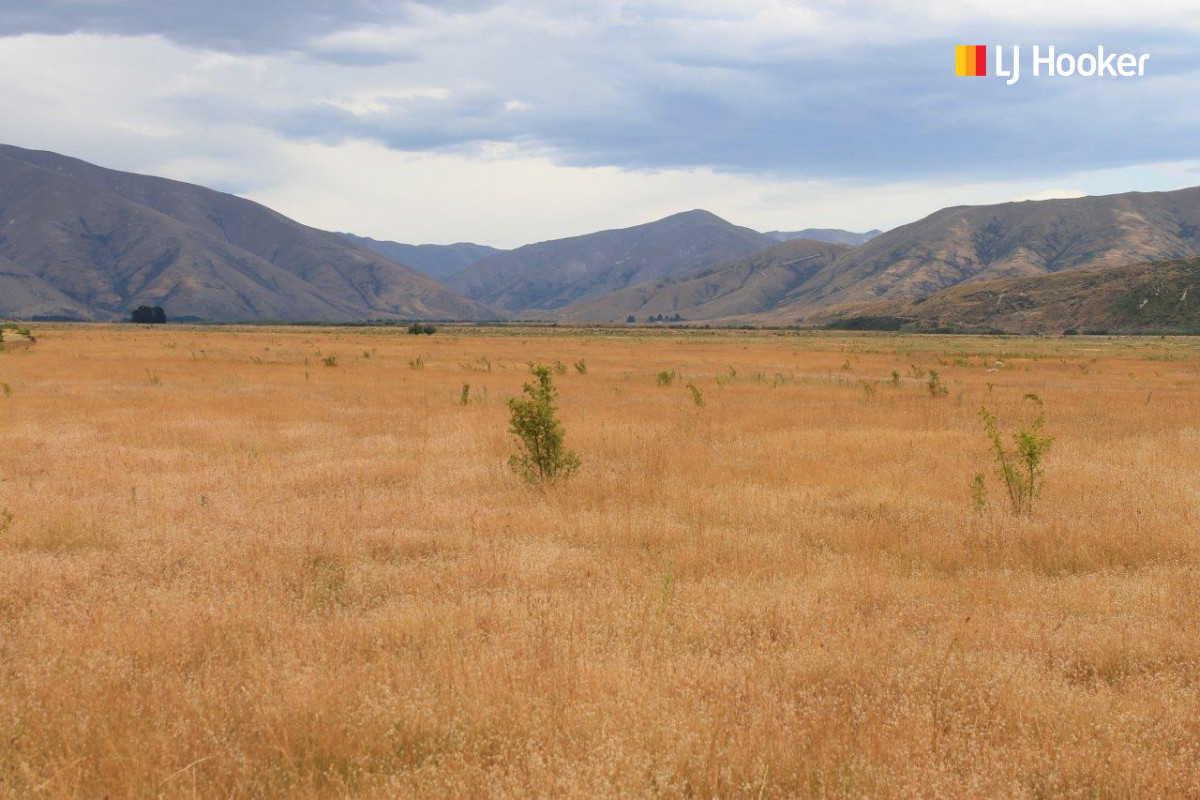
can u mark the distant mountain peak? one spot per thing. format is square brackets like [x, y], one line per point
[696, 214]
[437, 261]
[831, 235]
[551, 275]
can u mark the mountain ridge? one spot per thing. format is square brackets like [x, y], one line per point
[553, 274]
[1155, 297]
[745, 285]
[961, 244]
[437, 261]
[108, 241]
[829, 235]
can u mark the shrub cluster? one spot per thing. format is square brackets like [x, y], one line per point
[534, 424]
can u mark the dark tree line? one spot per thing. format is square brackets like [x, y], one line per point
[148, 315]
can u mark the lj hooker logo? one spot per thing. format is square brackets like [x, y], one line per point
[970, 60]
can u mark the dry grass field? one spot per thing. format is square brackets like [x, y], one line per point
[230, 570]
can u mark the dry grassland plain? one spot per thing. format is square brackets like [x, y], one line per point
[230, 570]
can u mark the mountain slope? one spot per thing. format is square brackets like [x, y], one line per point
[970, 243]
[437, 261]
[830, 235]
[554, 274]
[746, 285]
[1160, 297]
[109, 241]
[23, 294]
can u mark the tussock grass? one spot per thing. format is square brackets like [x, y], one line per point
[333, 585]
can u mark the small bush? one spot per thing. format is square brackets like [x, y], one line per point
[6, 520]
[417, 363]
[539, 434]
[979, 492]
[581, 367]
[24, 333]
[1021, 467]
[895, 381]
[665, 378]
[697, 395]
[330, 361]
[464, 397]
[419, 329]
[935, 386]
[560, 368]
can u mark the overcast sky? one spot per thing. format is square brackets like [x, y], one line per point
[510, 122]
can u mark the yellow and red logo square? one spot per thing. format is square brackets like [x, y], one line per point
[970, 60]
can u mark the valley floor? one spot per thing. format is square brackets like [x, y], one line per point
[230, 570]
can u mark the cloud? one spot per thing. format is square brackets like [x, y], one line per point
[233, 25]
[822, 94]
[506, 196]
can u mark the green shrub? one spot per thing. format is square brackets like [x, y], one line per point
[539, 433]
[935, 386]
[17, 329]
[1020, 467]
[697, 395]
[664, 378]
[464, 397]
[330, 361]
[418, 329]
[581, 367]
[979, 492]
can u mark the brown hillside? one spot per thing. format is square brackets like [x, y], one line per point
[95, 242]
[1011, 240]
[552, 275]
[747, 285]
[1162, 297]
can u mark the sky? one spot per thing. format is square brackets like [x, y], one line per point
[511, 122]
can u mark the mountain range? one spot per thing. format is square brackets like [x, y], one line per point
[552, 275]
[81, 242]
[1158, 297]
[749, 285]
[830, 235]
[438, 261]
[78, 241]
[1010, 240]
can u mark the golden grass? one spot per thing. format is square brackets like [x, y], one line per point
[233, 571]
